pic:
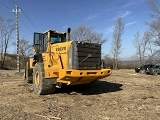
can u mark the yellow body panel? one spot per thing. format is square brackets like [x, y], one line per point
[51, 58]
[77, 76]
[55, 59]
[82, 76]
[30, 63]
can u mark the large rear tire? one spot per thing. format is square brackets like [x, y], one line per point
[28, 77]
[41, 85]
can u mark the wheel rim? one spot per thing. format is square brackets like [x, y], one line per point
[37, 80]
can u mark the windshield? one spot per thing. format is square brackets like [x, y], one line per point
[57, 38]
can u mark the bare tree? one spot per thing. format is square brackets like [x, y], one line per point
[155, 7]
[155, 25]
[144, 47]
[117, 41]
[6, 29]
[154, 34]
[154, 28]
[108, 61]
[1, 37]
[140, 46]
[137, 43]
[151, 49]
[149, 46]
[84, 33]
[25, 50]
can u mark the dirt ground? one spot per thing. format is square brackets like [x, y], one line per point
[121, 96]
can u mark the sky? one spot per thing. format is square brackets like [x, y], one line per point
[41, 15]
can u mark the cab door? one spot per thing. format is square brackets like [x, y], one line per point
[39, 42]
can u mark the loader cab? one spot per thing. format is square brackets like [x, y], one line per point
[41, 40]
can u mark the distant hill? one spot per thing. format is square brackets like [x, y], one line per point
[11, 62]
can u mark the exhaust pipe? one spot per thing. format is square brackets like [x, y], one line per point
[68, 34]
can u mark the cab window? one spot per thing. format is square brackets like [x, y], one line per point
[57, 37]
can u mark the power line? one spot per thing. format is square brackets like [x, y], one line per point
[13, 2]
[30, 21]
[26, 25]
[4, 5]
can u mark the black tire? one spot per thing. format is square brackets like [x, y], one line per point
[136, 70]
[28, 77]
[41, 85]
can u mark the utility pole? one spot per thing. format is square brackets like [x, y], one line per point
[17, 10]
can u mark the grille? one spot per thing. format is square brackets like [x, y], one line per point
[85, 56]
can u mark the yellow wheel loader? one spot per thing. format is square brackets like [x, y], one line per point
[59, 60]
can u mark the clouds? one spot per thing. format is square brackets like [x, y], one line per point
[125, 14]
[130, 23]
[122, 15]
[91, 17]
[109, 29]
